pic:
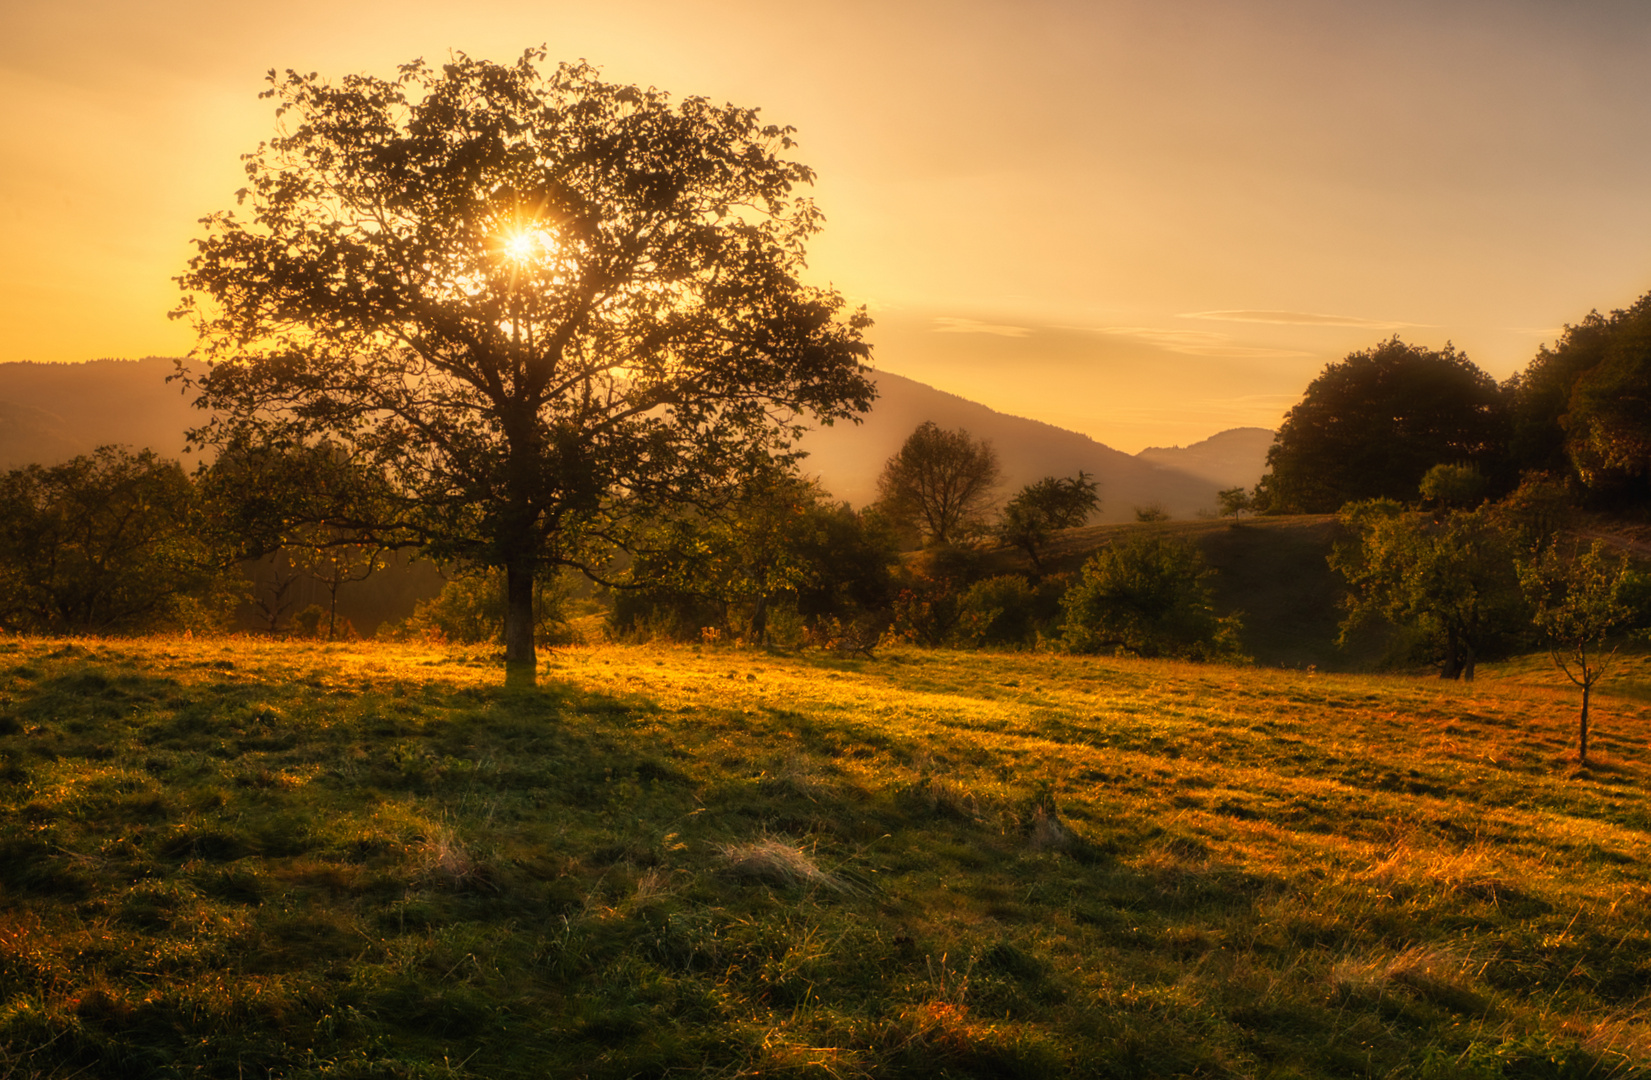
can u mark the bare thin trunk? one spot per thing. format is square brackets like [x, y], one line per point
[1582, 739]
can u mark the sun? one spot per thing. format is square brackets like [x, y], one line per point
[522, 245]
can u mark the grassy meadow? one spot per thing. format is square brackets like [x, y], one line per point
[233, 858]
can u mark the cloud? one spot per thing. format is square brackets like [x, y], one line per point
[1196, 342]
[946, 324]
[1298, 318]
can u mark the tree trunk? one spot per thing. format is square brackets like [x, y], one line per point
[1582, 734]
[520, 663]
[1452, 668]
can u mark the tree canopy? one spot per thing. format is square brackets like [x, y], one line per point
[541, 305]
[110, 542]
[1371, 425]
[939, 483]
[1149, 596]
[1041, 508]
[1449, 579]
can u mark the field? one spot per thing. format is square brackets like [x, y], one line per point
[229, 858]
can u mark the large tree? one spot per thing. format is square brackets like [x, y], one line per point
[1584, 405]
[1371, 425]
[939, 483]
[543, 305]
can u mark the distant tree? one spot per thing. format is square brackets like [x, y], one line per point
[302, 511]
[1042, 508]
[1235, 501]
[545, 307]
[1150, 514]
[939, 483]
[1149, 596]
[110, 542]
[1580, 599]
[1450, 578]
[1452, 486]
[1371, 425]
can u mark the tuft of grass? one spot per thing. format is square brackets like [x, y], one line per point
[778, 862]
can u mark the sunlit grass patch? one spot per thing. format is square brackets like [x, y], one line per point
[723, 861]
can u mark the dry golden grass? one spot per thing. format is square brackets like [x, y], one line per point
[369, 859]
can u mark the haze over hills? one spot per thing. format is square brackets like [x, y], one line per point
[1233, 458]
[51, 412]
[848, 457]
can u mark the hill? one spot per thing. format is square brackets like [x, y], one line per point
[1234, 458]
[224, 858]
[847, 458]
[51, 412]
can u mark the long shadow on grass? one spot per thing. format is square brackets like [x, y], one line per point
[213, 873]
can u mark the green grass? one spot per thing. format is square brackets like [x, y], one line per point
[231, 858]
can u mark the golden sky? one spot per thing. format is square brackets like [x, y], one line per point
[1145, 221]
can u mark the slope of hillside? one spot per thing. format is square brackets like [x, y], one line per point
[1233, 458]
[222, 858]
[60, 410]
[848, 457]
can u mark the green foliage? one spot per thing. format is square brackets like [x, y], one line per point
[1149, 596]
[547, 309]
[1371, 425]
[1580, 598]
[1581, 407]
[780, 547]
[1449, 577]
[471, 610]
[1452, 486]
[111, 542]
[1008, 611]
[1040, 509]
[1151, 514]
[939, 484]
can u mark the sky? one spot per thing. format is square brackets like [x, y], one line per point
[1144, 221]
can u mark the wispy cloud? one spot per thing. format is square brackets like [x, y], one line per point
[1196, 342]
[946, 324]
[1298, 318]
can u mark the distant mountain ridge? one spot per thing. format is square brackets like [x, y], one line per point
[51, 412]
[1233, 458]
[847, 457]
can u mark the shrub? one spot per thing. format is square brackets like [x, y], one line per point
[1007, 611]
[471, 608]
[1147, 597]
